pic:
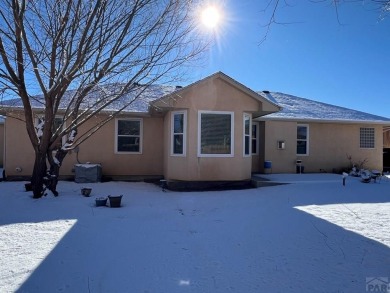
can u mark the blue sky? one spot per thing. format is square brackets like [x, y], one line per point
[315, 56]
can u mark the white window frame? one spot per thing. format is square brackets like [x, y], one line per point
[247, 116]
[184, 133]
[256, 139]
[365, 139]
[231, 134]
[307, 138]
[140, 136]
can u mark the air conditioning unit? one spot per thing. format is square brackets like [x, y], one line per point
[87, 173]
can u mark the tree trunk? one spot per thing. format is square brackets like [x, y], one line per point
[55, 171]
[39, 173]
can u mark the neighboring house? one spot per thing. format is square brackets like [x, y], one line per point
[1, 142]
[214, 130]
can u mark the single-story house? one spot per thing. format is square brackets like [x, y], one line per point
[214, 130]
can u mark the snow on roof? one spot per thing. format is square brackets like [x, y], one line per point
[137, 100]
[304, 109]
[139, 97]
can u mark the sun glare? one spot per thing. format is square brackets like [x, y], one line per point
[211, 17]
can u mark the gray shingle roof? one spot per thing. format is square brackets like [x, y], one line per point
[137, 100]
[295, 108]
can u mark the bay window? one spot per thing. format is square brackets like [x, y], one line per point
[178, 133]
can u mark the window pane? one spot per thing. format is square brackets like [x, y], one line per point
[301, 147]
[128, 144]
[178, 123]
[254, 146]
[301, 132]
[254, 131]
[247, 125]
[254, 138]
[247, 141]
[57, 123]
[178, 144]
[215, 133]
[128, 127]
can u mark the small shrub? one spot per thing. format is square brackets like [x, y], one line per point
[358, 165]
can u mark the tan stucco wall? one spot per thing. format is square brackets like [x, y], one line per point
[1, 144]
[386, 139]
[329, 145]
[282, 160]
[211, 95]
[19, 152]
[99, 148]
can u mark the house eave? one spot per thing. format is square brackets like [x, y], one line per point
[258, 115]
[334, 121]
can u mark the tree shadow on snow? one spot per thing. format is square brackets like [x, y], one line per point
[234, 241]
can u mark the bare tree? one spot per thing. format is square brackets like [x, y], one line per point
[272, 6]
[101, 49]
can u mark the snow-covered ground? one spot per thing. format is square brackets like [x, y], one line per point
[315, 235]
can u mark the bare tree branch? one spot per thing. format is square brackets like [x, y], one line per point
[71, 50]
[273, 6]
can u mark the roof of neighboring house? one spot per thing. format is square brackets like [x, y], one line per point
[137, 100]
[295, 108]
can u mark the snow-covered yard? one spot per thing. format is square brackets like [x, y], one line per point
[315, 235]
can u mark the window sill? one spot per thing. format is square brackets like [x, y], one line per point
[215, 156]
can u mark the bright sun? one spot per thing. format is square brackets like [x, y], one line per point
[210, 17]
